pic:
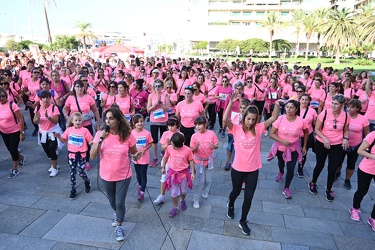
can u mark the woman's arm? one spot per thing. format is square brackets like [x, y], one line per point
[362, 150]
[305, 139]
[21, 123]
[318, 132]
[227, 112]
[274, 116]
[192, 168]
[366, 130]
[368, 87]
[95, 147]
[94, 109]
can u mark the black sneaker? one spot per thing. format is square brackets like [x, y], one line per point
[87, 186]
[300, 173]
[330, 196]
[312, 188]
[245, 227]
[35, 133]
[337, 176]
[230, 213]
[13, 174]
[21, 163]
[347, 184]
[228, 165]
[72, 195]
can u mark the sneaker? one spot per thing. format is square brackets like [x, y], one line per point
[204, 195]
[195, 204]
[13, 174]
[371, 222]
[337, 176]
[141, 196]
[266, 134]
[88, 166]
[159, 199]
[220, 130]
[183, 205]
[330, 195]
[114, 222]
[87, 186]
[139, 190]
[354, 214]
[279, 177]
[173, 212]
[54, 172]
[162, 152]
[245, 227]
[228, 165]
[223, 134]
[300, 173]
[312, 188]
[120, 236]
[347, 184]
[287, 193]
[50, 169]
[230, 213]
[35, 133]
[243, 186]
[72, 195]
[21, 163]
[153, 163]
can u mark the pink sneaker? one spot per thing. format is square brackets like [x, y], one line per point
[287, 193]
[88, 166]
[279, 177]
[141, 196]
[153, 163]
[183, 205]
[139, 190]
[371, 222]
[354, 214]
[173, 212]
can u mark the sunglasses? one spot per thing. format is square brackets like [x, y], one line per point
[157, 86]
[2, 96]
[189, 87]
[213, 80]
[335, 124]
[36, 72]
[225, 81]
[84, 80]
[195, 89]
[112, 86]
[168, 87]
[249, 81]
[299, 91]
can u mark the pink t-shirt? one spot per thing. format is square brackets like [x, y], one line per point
[143, 138]
[356, 126]
[33, 87]
[109, 100]
[290, 131]
[77, 139]
[309, 118]
[188, 112]
[139, 99]
[85, 102]
[178, 158]
[114, 157]
[8, 124]
[223, 93]
[211, 95]
[349, 93]
[250, 92]
[335, 136]
[166, 135]
[158, 114]
[44, 123]
[370, 113]
[362, 96]
[247, 148]
[124, 104]
[368, 165]
[261, 91]
[181, 85]
[200, 98]
[316, 95]
[327, 101]
[205, 139]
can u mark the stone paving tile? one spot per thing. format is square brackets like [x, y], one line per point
[17, 242]
[263, 218]
[3, 207]
[350, 243]
[61, 205]
[359, 229]
[98, 210]
[214, 241]
[293, 247]
[19, 199]
[272, 207]
[194, 223]
[71, 246]
[180, 239]
[314, 225]
[95, 232]
[14, 219]
[328, 214]
[258, 232]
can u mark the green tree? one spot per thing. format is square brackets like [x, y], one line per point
[11, 45]
[24, 45]
[297, 22]
[309, 26]
[44, 4]
[85, 33]
[66, 42]
[340, 30]
[165, 47]
[273, 23]
[257, 45]
[321, 18]
[366, 22]
[228, 45]
[281, 45]
[201, 45]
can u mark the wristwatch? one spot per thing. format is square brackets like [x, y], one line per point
[22, 132]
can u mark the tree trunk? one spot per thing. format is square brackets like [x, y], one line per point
[269, 56]
[318, 46]
[338, 53]
[47, 23]
[307, 47]
[84, 44]
[297, 46]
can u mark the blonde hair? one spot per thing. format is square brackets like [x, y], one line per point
[76, 114]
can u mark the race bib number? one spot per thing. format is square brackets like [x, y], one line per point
[76, 140]
[314, 104]
[272, 95]
[159, 114]
[141, 142]
[127, 117]
[223, 97]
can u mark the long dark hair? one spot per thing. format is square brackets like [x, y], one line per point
[252, 109]
[124, 128]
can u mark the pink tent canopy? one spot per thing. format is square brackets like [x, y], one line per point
[117, 48]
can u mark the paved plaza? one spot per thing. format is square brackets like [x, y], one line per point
[36, 213]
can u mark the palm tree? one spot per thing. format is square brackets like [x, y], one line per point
[366, 21]
[340, 30]
[272, 23]
[309, 26]
[84, 33]
[297, 22]
[45, 3]
[321, 17]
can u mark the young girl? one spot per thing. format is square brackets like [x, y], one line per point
[165, 140]
[144, 142]
[203, 143]
[78, 138]
[178, 172]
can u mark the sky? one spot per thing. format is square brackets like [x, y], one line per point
[161, 18]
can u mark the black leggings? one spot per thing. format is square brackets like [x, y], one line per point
[89, 127]
[220, 114]
[32, 114]
[141, 172]
[212, 114]
[290, 166]
[260, 106]
[334, 157]
[364, 181]
[250, 179]
[352, 157]
[310, 144]
[12, 141]
[188, 133]
[50, 148]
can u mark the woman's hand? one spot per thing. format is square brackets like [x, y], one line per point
[192, 176]
[285, 142]
[22, 137]
[163, 170]
[327, 144]
[345, 144]
[304, 151]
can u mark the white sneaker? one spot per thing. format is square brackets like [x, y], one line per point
[266, 134]
[54, 172]
[50, 169]
[159, 199]
[196, 204]
[205, 196]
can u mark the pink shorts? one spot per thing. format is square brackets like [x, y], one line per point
[175, 187]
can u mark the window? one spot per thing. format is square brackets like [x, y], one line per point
[235, 23]
[235, 13]
[258, 24]
[260, 14]
[246, 13]
[284, 13]
[247, 23]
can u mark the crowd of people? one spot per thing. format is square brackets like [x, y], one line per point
[99, 109]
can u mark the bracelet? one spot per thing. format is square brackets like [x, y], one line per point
[346, 138]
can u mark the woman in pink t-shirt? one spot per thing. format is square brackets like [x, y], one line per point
[272, 94]
[114, 144]
[287, 131]
[198, 95]
[260, 94]
[362, 96]
[332, 138]
[349, 92]
[31, 88]
[211, 100]
[124, 100]
[139, 97]
[370, 113]
[222, 92]
[12, 130]
[182, 83]
[109, 98]
[247, 161]
[325, 101]
[316, 93]
[365, 173]
[358, 127]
